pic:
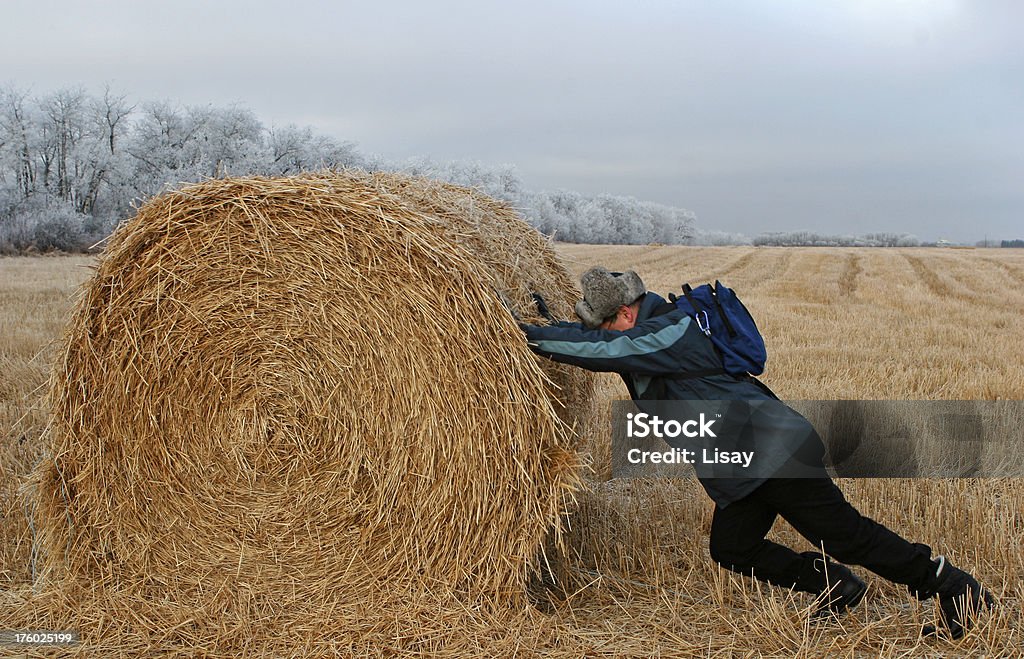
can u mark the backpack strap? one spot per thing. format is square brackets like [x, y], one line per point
[663, 309]
[689, 298]
[697, 311]
[722, 315]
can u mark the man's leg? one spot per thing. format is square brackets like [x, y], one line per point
[738, 543]
[817, 509]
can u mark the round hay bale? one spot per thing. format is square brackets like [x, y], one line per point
[279, 396]
[520, 262]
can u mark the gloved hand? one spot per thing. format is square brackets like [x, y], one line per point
[508, 306]
[542, 307]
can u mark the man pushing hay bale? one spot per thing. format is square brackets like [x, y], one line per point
[284, 401]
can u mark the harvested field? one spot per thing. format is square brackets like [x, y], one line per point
[840, 323]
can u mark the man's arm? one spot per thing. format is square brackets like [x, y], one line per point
[653, 347]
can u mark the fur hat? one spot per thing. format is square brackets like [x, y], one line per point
[604, 292]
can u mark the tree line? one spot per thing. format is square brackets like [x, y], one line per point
[813, 239]
[73, 163]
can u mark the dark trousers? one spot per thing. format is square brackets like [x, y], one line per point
[817, 509]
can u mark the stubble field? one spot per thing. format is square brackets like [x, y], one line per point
[839, 324]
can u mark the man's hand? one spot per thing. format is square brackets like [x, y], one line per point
[508, 306]
[542, 307]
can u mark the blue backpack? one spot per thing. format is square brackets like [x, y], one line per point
[724, 319]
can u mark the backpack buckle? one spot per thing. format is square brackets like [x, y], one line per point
[706, 326]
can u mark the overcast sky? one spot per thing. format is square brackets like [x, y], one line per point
[830, 115]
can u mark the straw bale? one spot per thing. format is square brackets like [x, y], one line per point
[520, 262]
[282, 402]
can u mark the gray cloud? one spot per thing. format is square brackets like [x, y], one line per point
[836, 117]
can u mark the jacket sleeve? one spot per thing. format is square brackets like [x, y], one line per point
[654, 347]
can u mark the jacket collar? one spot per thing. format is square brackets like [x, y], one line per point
[651, 302]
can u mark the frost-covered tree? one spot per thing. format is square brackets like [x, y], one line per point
[555, 213]
[292, 149]
[167, 146]
[72, 164]
[812, 239]
[670, 225]
[74, 148]
[501, 181]
[18, 143]
[606, 218]
[55, 162]
[234, 141]
[614, 219]
[719, 238]
[112, 113]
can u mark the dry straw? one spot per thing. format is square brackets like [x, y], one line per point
[296, 408]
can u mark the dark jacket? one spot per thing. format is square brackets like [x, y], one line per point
[665, 357]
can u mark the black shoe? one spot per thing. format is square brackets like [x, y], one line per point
[961, 598]
[844, 591]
